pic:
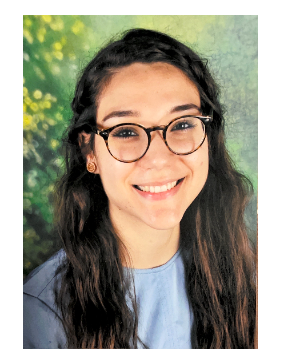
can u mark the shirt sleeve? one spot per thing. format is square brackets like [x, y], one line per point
[42, 328]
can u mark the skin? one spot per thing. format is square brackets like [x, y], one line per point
[149, 229]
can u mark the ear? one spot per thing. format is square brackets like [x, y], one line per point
[83, 140]
[91, 161]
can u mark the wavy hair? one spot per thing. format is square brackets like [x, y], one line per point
[218, 258]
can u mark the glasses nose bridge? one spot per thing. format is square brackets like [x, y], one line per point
[155, 128]
[158, 127]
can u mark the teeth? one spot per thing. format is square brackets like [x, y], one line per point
[157, 189]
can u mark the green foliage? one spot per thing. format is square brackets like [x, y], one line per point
[56, 48]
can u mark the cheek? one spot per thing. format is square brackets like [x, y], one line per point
[113, 173]
[198, 162]
[106, 164]
[203, 165]
[100, 151]
[198, 166]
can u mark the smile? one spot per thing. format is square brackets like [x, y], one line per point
[158, 189]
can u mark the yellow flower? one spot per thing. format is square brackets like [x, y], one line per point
[57, 46]
[28, 36]
[27, 22]
[27, 100]
[63, 40]
[54, 144]
[58, 24]
[27, 194]
[72, 56]
[42, 30]
[59, 116]
[48, 57]
[41, 105]
[40, 37]
[26, 203]
[25, 91]
[37, 94]
[41, 34]
[31, 234]
[24, 108]
[58, 55]
[55, 69]
[47, 104]
[39, 72]
[49, 97]
[34, 107]
[47, 18]
[27, 120]
[51, 187]
[33, 127]
[51, 121]
[77, 27]
[35, 118]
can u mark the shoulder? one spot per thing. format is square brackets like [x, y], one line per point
[40, 282]
[42, 326]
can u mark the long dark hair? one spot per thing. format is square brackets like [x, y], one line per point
[218, 258]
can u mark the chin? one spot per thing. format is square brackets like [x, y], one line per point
[165, 221]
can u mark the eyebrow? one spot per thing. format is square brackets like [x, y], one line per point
[123, 113]
[120, 114]
[185, 107]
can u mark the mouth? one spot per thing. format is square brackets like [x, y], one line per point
[158, 189]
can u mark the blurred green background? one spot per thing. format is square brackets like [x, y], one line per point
[55, 50]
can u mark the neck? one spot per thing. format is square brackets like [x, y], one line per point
[145, 246]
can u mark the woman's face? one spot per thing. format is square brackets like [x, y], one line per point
[151, 92]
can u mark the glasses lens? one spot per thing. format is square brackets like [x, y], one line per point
[185, 135]
[127, 142]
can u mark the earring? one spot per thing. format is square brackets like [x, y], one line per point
[91, 167]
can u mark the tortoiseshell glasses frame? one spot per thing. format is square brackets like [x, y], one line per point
[104, 133]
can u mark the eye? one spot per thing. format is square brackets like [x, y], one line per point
[124, 132]
[183, 125]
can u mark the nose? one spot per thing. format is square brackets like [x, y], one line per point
[158, 155]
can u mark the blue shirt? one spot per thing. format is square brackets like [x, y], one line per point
[165, 317]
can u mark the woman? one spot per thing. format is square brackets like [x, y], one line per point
[150, 212]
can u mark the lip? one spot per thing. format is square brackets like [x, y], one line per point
[160, 195]
[158, 183]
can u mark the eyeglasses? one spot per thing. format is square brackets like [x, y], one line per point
[129, 142]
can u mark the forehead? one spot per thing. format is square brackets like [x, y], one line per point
[142, 87]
